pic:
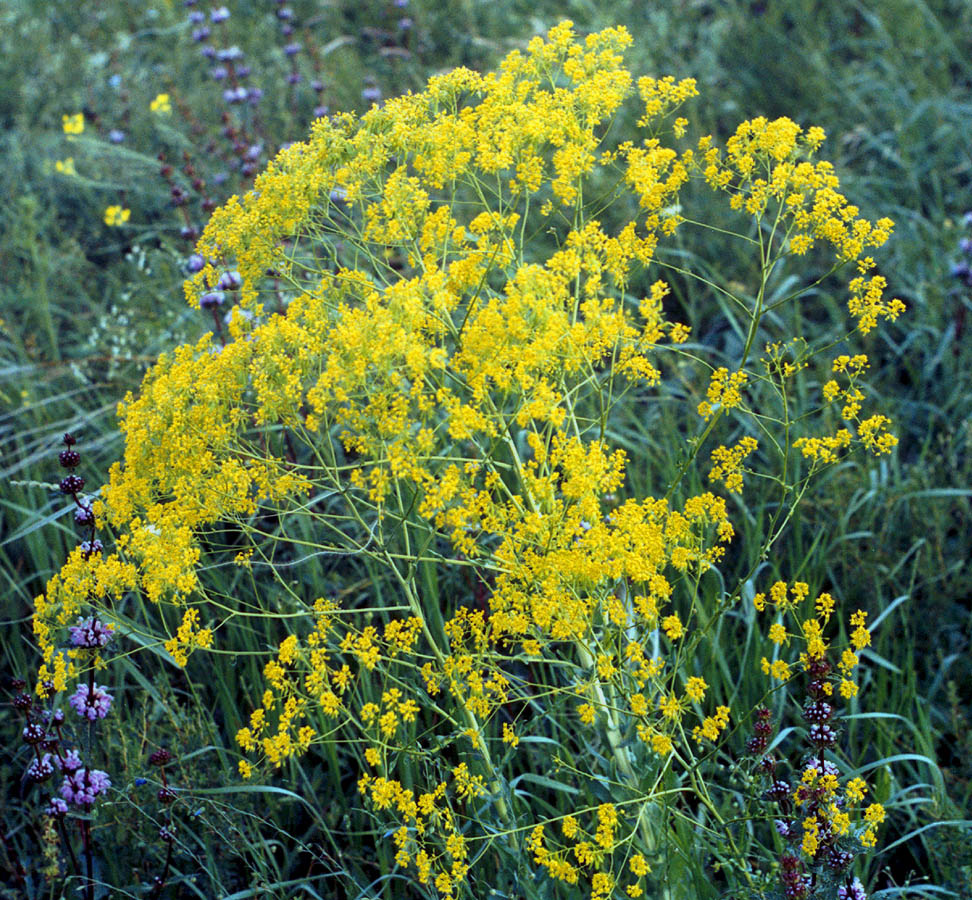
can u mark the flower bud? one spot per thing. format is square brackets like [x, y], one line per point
[160, 757]
[71, 484]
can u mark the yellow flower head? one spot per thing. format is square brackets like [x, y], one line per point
[116, 216]
[161, 104]
[73, 124]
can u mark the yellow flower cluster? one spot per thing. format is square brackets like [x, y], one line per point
[188, 637]
[589, 849]
[447, 383]
[73, 124]
[116, 216]
[728, 461]
[161, 104]
[820, 787]
[428, 839]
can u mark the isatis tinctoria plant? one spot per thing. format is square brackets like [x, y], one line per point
[439, 322]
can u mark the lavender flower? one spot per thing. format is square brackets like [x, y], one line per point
[229, 281]
[83, 786]
[854, 892]
[71, 762]
[32, 733]
[57, 807]
[91, 703]
[212, 300]
[229, 54]
[90, 633]
[40, 769]
[89, 548]
[83, 516]
[220, 14]
[235, 95]
[71, 484]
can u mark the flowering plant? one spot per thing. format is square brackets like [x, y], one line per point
[442, 320]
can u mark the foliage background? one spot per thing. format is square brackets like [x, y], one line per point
[86, 308]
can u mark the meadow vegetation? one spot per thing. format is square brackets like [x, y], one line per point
[535, 448]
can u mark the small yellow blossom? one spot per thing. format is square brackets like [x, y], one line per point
[73, 124]
[161, 104]
[116, 216]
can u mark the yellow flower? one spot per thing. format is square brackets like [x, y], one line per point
[65, 166]
[856, 789]
[696, 688]
[672, 626]
[161, 104]
[73, 124]
[116, 216]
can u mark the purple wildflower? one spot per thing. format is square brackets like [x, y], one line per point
[229, 54]
[83, 516]
[83, 786]
[41, 769]
[90, 633]
[89, 548]
[71, 762]
[854, 892]
[91, 703]
[71, 484]
[32, 733]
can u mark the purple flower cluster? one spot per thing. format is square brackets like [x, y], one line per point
[41, 768]
[855, 891]
[83, 786]
[809, 794]
[91, 702]
[91, 634]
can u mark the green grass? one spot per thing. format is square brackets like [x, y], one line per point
[86, 309]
